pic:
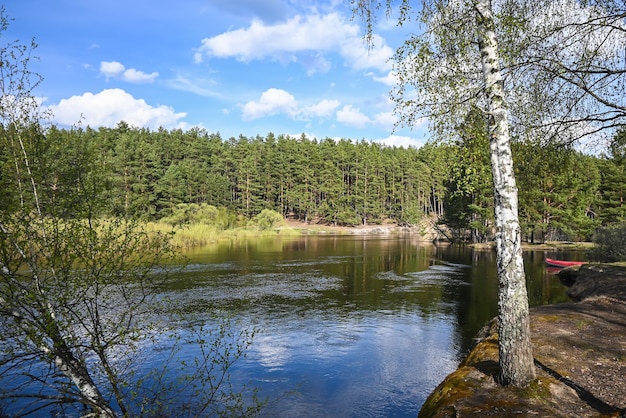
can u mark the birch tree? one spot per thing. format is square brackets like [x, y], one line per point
[77, 289]
[25, 236]
[453, 63]
[564, 68]
[515, 349]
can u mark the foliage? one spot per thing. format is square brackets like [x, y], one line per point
[469, 197]
[565, 67]
[558, 192]
[610, 244]
[77, 285]
[563, 193]
[611, 203]
[335, 182]
[201, 214]
[268, 219]
[154, 173]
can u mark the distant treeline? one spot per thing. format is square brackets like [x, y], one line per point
[148, 174]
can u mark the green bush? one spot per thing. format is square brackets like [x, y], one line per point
[610, 244]
[202, 214]
[268, 219]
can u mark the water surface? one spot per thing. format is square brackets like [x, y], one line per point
[352, 326]
[347, 326]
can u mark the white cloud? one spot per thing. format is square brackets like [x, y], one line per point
[136, 76]
[357, 54]
[386, 119]
[114, 69]
[111, 106]
[290, 41]
[352, 116]
[272, 102]
[297, 34]
[278, 101]
[322, 109]
[111, 69]
[391, 79]
[402, 141]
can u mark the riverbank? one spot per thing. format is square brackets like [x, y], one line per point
[544, 246]
[198, 235]
[306, 228]
[426, 231]
[579, 350]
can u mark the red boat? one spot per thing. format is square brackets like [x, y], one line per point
[560, 263]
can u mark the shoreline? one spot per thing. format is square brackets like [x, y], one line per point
[373, 229]
[198, 235]
[427, 232]
[579, 349]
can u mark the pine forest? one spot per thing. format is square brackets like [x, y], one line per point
[154, 175]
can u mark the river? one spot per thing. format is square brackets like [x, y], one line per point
[346, 326]
[352, 326]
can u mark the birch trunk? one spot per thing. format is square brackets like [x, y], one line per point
[516, 358]
[64, 359]
[74, 369]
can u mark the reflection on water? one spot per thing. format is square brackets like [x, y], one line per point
[349, 326]
[352, 326]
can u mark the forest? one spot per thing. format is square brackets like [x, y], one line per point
[150, 175]
[79, 267]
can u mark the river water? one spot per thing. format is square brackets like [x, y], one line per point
[346, 326]
[352, 326]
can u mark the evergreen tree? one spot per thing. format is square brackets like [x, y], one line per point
[469, 199]
[612, 190]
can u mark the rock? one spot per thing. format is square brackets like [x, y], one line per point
[597, 280]
[580, 351]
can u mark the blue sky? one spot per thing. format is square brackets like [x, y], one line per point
[230, 66]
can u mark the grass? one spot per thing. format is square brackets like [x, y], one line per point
[198, 235]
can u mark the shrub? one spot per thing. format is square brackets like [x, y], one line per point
[202, 214]
[268, 219]
[610, 244]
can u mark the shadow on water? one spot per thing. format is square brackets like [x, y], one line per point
[348, 326]
[359, 326]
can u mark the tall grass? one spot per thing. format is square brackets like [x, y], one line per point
[195, 225]
[198, 235]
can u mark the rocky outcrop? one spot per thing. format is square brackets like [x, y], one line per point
[579, 349]
[596, 280]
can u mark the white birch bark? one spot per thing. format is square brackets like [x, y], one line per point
[67, 363]
[516, 358]
[77, 373]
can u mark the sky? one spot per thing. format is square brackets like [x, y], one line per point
[237, 67]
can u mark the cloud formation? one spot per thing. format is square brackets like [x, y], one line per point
[299, 39]
[352, 116]
[111, 106]
[278, 101]
[402, 141]
[114, 69]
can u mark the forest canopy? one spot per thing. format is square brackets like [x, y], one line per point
[145, 174]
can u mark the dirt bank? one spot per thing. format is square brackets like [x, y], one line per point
[580, 353]
[424, 231]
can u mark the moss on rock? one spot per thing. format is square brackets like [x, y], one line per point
[580, 353]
